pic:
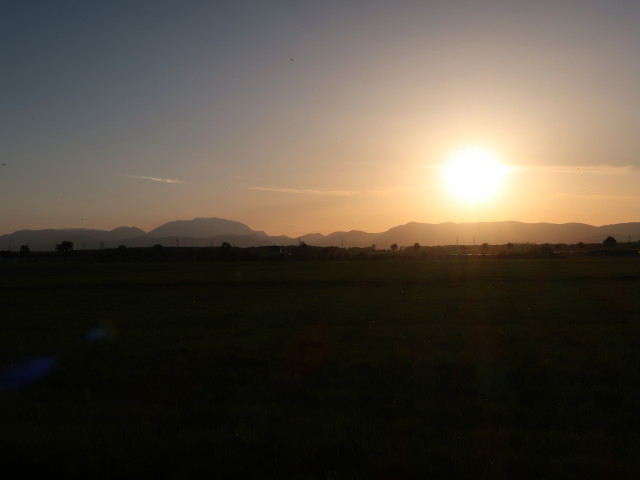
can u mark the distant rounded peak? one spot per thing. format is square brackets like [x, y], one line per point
[203, 220]
[126, 229]
[200, 227]
[409, 225]
[209, 220]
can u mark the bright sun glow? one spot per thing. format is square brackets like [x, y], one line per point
[474, 175]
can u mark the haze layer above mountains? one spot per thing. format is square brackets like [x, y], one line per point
[206, 232]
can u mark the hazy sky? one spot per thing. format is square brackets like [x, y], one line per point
[313, 116]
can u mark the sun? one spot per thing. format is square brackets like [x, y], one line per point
[474, 175]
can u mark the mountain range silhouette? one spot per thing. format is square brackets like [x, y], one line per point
[205, 232]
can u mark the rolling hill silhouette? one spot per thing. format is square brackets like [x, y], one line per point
[204, 232]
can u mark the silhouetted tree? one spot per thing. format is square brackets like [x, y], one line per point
[64, 246]
[485, 248]
[394, 247]
[331, 252]
[24, 251]
[157, 252]
[226, 245]
[416, 246]
[546, 250]
[610, 242]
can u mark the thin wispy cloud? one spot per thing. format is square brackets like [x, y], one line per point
[330, 193]
[565, 169]
[577, 169]
[156, 179]
[596, 196]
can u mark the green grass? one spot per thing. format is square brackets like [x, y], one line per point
[384, 369]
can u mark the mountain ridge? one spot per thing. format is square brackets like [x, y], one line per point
[202, 232]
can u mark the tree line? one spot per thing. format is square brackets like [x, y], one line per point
[302, 251]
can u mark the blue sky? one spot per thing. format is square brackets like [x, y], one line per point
[138, 113]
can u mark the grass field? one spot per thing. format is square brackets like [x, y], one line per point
[370, 369]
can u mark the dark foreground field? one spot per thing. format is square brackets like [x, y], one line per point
[371, 369]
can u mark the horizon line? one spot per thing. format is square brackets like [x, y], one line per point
[318, 233]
